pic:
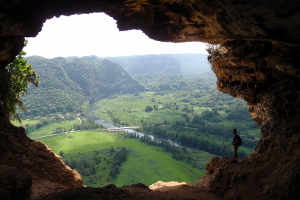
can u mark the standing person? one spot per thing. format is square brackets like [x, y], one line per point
[236, 142]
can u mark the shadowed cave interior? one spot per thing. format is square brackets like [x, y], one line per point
[260, 65]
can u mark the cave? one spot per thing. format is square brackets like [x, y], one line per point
[259, 64]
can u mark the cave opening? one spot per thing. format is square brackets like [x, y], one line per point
[84, 40]
[97, 34]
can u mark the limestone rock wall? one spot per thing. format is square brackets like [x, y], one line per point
[27, 165]
[268, 79]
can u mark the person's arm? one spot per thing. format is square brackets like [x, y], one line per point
[234, 141]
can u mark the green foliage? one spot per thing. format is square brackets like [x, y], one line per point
[215, 50]
[61, 153]
[87, 124]
[212, 139]
[199, 119]
[68, 84]
[178, 153]
[208, 106]
[26, 123]
[14, 83]
[204, 81]
[118, 158]
[87, 166]
[49, 127]
[238, 113]
[148, 108]
[193, 114]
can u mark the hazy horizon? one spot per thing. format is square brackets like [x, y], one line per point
[97, 34]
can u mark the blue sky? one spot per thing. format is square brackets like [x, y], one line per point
[97, 34]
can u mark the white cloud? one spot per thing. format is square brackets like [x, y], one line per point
[97, 34]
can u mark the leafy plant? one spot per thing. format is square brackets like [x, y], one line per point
[14, 82]
[215, 50]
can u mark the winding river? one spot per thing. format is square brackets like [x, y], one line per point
[91, 115]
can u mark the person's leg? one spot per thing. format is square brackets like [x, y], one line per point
[235, 149]
[234, 152]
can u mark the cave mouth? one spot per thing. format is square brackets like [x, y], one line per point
[78, 42]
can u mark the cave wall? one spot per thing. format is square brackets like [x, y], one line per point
[27, 166]
[215, 22]
[266, 76]
[261, 65]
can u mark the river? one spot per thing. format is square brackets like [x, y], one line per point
[91, 115]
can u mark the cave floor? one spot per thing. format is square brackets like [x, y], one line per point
[132, 192]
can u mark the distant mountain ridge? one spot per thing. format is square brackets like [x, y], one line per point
[177, 64]
[66, 83]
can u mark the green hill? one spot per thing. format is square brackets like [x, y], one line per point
[67, 83]
[70, 84]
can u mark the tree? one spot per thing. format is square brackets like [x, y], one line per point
[61, 153]
[148, 108]
[196, 119]
[207, 114]
[14, 80]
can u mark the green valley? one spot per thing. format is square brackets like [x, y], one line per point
[93, 153]
[171, 97]
[197, 119]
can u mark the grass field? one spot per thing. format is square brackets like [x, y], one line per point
[130, 110]
[48, 130]
[147, 164]
[45, 129]
[25, 122]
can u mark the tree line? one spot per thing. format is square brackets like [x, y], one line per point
[108, 160]
[201, 139]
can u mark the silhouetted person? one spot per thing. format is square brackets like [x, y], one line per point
[236, 142]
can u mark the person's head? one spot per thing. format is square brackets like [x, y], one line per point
[234, 131]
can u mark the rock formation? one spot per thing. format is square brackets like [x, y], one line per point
[261, 41]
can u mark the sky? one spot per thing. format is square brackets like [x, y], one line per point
[97, 34]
